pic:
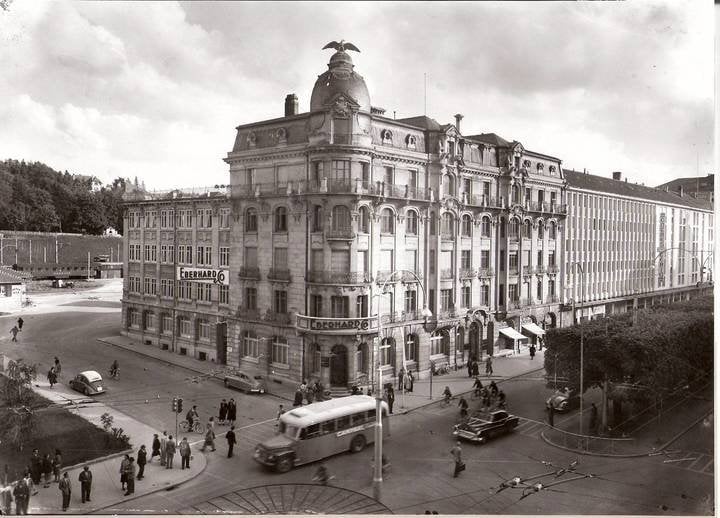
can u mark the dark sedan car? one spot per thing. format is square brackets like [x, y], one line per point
[88, 382]
[485, 425]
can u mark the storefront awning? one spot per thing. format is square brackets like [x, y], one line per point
[512, 334]
[534, 329]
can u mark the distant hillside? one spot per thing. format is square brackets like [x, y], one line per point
[35, 197]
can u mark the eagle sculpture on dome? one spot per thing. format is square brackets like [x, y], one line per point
[342, 46]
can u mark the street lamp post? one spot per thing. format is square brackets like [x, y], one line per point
[377, 476]
[582, 339]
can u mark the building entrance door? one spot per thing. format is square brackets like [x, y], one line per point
[339, 366]
[221, 343]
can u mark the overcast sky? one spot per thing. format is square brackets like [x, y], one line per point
[155, 90]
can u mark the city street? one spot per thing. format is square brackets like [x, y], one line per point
[420, 477]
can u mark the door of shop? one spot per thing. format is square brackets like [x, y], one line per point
[339, 366]
[221, 343]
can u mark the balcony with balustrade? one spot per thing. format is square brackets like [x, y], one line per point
[446, 274]
[480, 200]
[249, 272]
[248, 313]
[330, 277]
[467, 273]
[540, 270]
[527, 271]
[340, 234]
[279, 274]
[553, 269]
[407, 276]
[335, 186]
[485, 273]
[276, 317]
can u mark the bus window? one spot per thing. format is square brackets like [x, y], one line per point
[343, 422]
[327, 427]
[289, 431]
[371, 415]
[358, 418]
[311, 431]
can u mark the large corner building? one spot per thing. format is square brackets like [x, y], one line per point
[348, 243]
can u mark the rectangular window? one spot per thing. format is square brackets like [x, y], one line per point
[467, 186]
[204, 330]
[432, 261]
[185, 328]
[513, 294]
[513, 259]
[163, 253]
[341, 170]
[208, 256]
[551, 258]
[340, 306]
[410, 301]
[502, 260]
[224, 256]
[204, 292]
[446, 300]
[361, 306]
[486, 191]
[551, 288]
[280, 351]
[251, 257]
[134, 318]
[250, 347]
[224, 218]
[224, 294]
[484, 258]
[466, 259]
[388, 176]
[317, 220]
[411, 260]
[485, 295]
[280, 258]
[539, 290]
[280, 301]
[539, 258]
[183, 290]
[250, 298]
[316, 305]
[467, 296]
[431, 300]
[167, 324]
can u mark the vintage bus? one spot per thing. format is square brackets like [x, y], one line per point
[313, 432]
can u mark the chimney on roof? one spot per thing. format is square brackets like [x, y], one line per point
[458, 118]
[291, 105]
[617, 175]
[584, 171]
[681, 191]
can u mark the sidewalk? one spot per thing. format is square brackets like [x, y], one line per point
[458, 381]
[106, 490]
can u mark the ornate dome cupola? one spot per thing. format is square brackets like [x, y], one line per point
[340, 80]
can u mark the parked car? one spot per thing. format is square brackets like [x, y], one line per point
[88, 382]
[245, 381]
[563, 400]
[485, 425]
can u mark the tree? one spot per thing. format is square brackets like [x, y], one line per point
[19, 418]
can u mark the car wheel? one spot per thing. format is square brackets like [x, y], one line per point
[86, 391]
[358, 443]
[284, 464]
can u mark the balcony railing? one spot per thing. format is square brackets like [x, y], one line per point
[485, 272]
[552, 299]
[513, 304]
[527, 270]
[248, 313]
[279, 274]
[337, 186]
[385, 276]
[446, 274]
[527, 302]
[276, 317]
[480, 200]
[539, 270]
[513, 270]
[406, 276]
[390, 318]
[329, 277]
[552, 268]
[444, 314]
[340, 233]
[467, 273]
[447, 236]
[249, 272]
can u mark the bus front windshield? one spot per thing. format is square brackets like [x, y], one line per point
[288, 430]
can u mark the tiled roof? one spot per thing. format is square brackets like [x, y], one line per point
[596, 183]
[490, 138]
[422, 122]
[8, 276]
[691, 184]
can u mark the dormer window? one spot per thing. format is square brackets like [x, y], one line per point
[411, 142]
[552, 169]
[540, 167]
[386, 137]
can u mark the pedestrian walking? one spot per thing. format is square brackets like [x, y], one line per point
[411, 381]
[20, 323]
[123, 472]
[551, 415]
[298, 399]
[21, 493]
[209, 440]
[532, 351]
[65, 490]
[156, 448]
[231, 440]
[447, 395]
[469, 368]
[401, 377]
[489, 366]
[47, 469]
[141, 461]
[35, 467]
[170, 449]
[52, 377]
[58, 367]
[463, 407]
[14, 331]
[322, 475]
[130, 477]
[163, 449]
[57, 465]
[456, 452]
[493, 389]
[281, 411]
[309, 395]
[222, 413]
[30, 484]
[231, 412]
[85, 479]
[390, 397]
[475, 369]
[593, 418]
[185, 452]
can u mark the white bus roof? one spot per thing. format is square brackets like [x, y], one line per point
[331, 409]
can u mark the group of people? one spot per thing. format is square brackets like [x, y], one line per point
[227, 414]
[54, 372]
[491, 396]
[309, 393]
[473, 367]
[16, 329]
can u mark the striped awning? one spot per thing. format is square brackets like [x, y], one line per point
[512, 334]
[534, 329]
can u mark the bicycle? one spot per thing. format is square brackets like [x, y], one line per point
[197, 427]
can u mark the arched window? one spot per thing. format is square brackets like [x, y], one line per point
[340, 218]
[281, 219]
[552, 231]
[411, 142]
[411, 348]
[387, 222]
[541, 230]
[364, 220]
[387, 355]
[514, 228]
[485, 227]
[466, 229]
[251, 220]
[316, 354]
[387, 137]
[361, 358]
[447, 227]
[527, 229]
[411, 223]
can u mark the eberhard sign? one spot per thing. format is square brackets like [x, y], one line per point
[203, 275]
[361, 324]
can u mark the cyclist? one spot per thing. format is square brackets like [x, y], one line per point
[191, 416]
[493, 389]
[463, 407]
[447, 395]
[501, 400]
[322, 475]
[478, 386]
[114, 369]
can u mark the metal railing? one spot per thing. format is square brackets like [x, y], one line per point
[340, 233]
[279, 274]
[249, 272]
[248, 313]
[446, 274]
[527, 270]
[337, 186]
[277, 317]
[552, 268]
[447, 236]
[486, 272]
[539, 270]
[467, 273]
[330, 277]
[480, 200]
[172, 194]
[385, 276]
[589, 443]
[407, 276]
